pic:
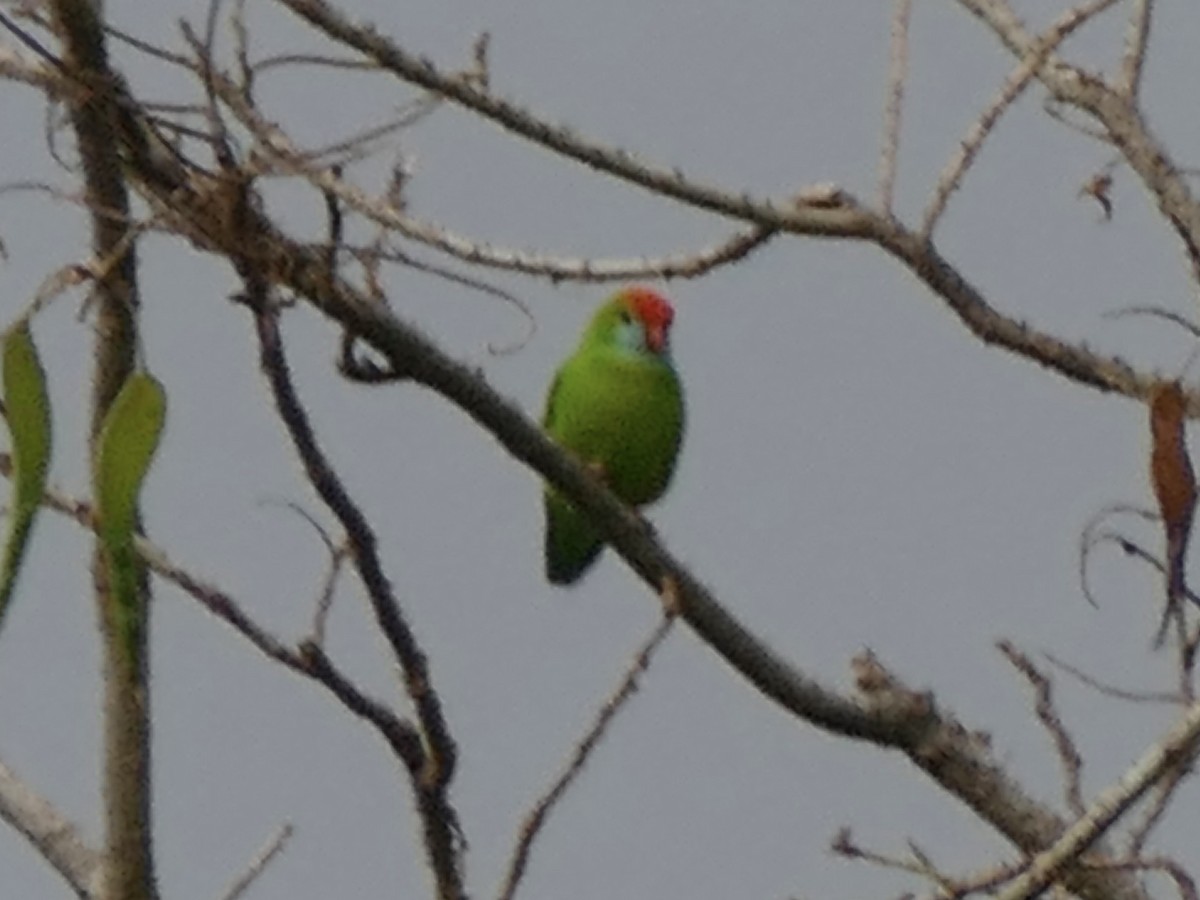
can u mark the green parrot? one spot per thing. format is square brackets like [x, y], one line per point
[617, 404]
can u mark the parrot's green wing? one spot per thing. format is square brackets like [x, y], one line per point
[572, 544]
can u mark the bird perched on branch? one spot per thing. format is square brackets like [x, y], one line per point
[617, 404]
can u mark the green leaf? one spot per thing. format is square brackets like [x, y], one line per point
[27, 406]
[128, 440]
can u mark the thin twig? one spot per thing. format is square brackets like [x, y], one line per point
[537, 816]
[383, 251]
[1043, 46]
[844, 845]
[325, 598]
[241, 45]
[1092, 536]
[1171, 612]
[260, 862]
[893, 111]
[281, 60]
[1068, 754]
[1156, 312]
[1136, 41]
[152, 50]
[337, 556]
[1110, 690]
[1070, 117]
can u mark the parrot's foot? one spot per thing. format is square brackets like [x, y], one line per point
[668, 595]
[596, 469]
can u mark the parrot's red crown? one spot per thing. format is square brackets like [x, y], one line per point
[651, 307]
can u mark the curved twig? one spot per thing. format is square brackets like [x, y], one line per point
[531, 826]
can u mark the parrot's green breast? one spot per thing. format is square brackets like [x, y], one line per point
[623, 414]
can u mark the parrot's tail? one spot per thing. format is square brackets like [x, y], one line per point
[572, 544]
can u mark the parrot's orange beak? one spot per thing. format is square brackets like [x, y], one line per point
[656, 337]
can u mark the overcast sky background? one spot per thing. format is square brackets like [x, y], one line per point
[858, 470]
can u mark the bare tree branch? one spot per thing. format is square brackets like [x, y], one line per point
[308, 659]
[1121, 120]
[55, 839]
[1043, 46]
[288, 158]
[561, 139]
[845, 219]
[430, 780]
[1173, 749]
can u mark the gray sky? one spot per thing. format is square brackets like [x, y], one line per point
[858, 470]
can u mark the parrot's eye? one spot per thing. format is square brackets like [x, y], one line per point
[626, 317]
